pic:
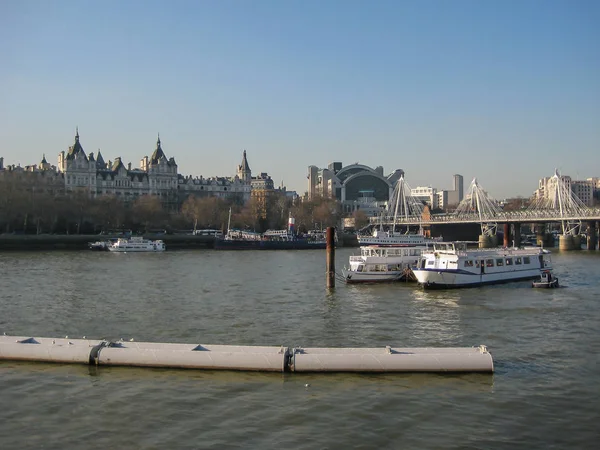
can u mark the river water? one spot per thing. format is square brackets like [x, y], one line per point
[545, 392]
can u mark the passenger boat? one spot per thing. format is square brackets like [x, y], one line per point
[270, 239]
[136, 244]
[98, 246]
[452, 265]
[384, 237]
[546, 281]
[377, 263]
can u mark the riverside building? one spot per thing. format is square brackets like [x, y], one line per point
[157, 175]
[356, 186]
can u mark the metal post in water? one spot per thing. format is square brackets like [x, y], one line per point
[330, 269]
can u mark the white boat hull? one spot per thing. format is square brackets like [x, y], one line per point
[446, 278]
[136, 245]
[135, 250]
[351, 276]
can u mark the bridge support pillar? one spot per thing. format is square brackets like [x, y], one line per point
[517, 234]
[591, 236]
[485, 241]
[507, 235]
[566, 242]
[540, 231]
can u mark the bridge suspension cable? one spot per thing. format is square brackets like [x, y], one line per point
[403, 205]
[558, 196]
[478, 204]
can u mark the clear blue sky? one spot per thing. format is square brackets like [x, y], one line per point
[504, 91]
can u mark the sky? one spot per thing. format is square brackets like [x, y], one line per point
[504, 91]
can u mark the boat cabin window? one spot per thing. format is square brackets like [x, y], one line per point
[509, 261]
[478, 263]
[430, 263]
[489, 263]
[449, 246]
[518, 261]
[526, 260]
[499, 262]
[469, 263]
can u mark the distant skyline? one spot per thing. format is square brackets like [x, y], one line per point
[502, 91]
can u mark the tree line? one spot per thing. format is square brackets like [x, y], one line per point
[30, 207]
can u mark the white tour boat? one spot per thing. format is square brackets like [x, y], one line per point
[452, 265]
[136, 244]
[384, 237]
[382, 263]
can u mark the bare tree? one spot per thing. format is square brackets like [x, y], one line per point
[192, 210]
[360, 219]
[148, 210]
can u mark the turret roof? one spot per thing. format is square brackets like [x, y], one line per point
[100, 160]
[158, 153]
[244, 166]
[77, 148]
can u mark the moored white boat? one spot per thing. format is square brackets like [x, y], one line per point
[378, 263]
[98, 245]
[383, 237]
[452, 265]
[136, 244]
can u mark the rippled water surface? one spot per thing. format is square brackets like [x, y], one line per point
[546, 346]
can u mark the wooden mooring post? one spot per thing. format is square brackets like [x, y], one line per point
[330, 269]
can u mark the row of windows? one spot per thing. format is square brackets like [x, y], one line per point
[498, 262]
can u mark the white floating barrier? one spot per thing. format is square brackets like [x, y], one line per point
[235, 357]
[59, 350]
[229, 357]
[469, 359]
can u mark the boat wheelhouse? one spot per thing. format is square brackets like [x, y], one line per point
[453, 265]
[136, 244]
[377, 263]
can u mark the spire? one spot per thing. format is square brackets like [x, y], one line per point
[158, 153]
[243, 171]
[77, 148]
[244, 166]
[44, 159]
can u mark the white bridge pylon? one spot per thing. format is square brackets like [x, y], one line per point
[477, 204]
[561, 198]
[402, 207]
[402, 204]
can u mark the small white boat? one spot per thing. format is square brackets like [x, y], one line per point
[377, 264]
[136, 244]
[546, 281]
[452, 265]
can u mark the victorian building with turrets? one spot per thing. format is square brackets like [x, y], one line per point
[157, 175]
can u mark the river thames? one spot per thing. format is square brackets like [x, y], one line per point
[546, 346]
